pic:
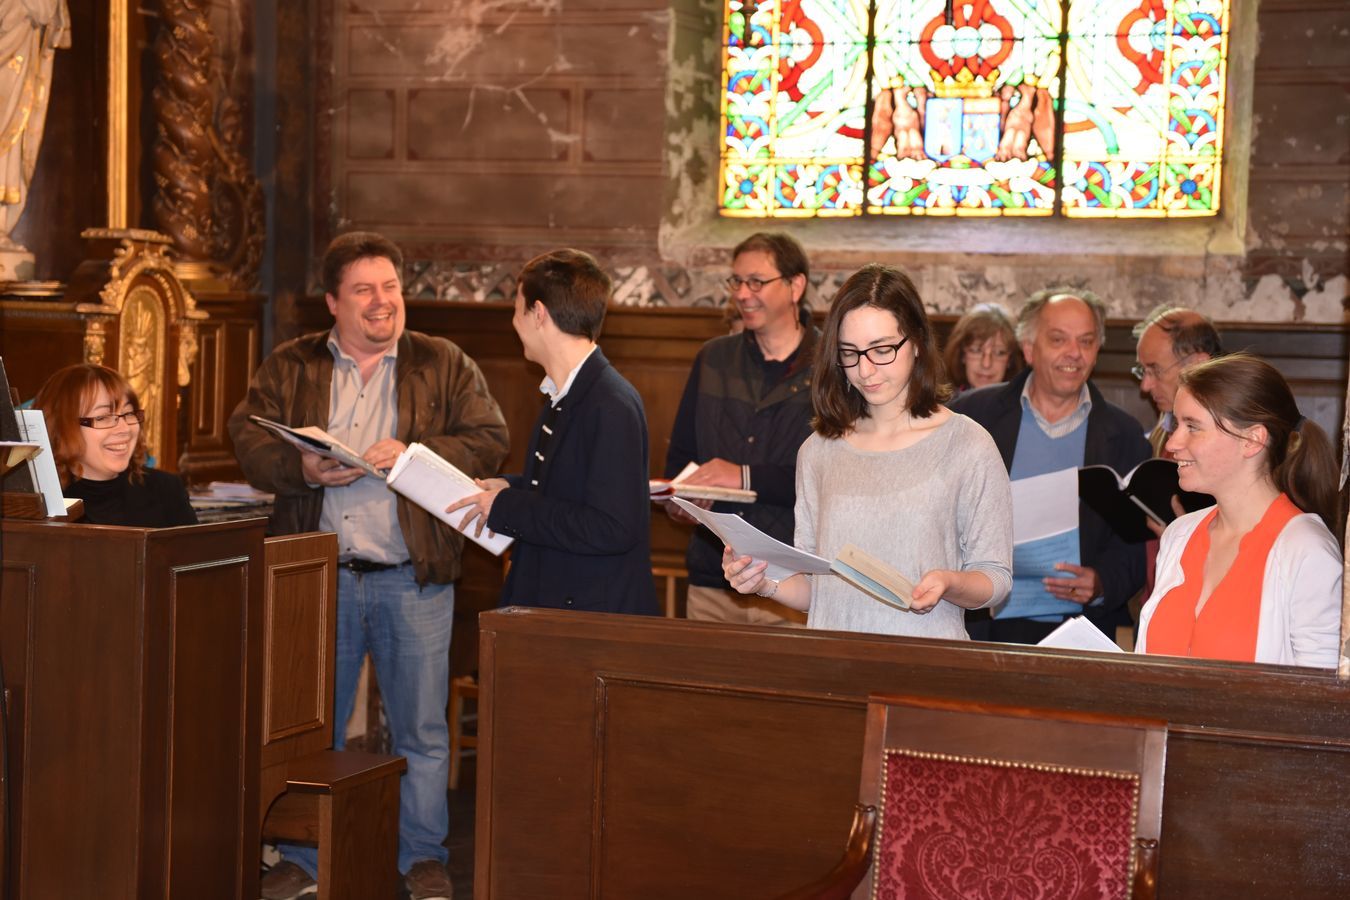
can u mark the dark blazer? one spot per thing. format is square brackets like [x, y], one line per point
[583, 536]
[1115, 438]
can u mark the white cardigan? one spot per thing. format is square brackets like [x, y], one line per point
[1300, 622]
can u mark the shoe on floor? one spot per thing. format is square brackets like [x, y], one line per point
[428, 880]
[287, 881]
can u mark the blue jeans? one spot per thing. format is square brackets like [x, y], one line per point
[406, 629]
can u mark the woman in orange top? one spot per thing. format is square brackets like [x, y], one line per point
[1257, 577]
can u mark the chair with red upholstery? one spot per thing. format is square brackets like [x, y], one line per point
[978, 801]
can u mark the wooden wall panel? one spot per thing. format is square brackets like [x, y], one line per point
[492, 126]
[210, 746]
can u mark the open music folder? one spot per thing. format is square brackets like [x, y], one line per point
[433, 483]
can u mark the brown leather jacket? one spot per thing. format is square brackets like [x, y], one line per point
[443, 402]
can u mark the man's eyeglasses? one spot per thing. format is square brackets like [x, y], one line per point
[753, 283]
[880, 355]
[1141, 371]
[110, 421]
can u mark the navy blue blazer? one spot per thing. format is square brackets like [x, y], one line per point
[583, 536]
[1115, 438]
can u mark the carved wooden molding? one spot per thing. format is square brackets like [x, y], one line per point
[183, 156]
[207, 199]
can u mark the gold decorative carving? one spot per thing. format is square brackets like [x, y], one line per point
[95, 337]
[141, 346]
[207, 199]
[119, 40]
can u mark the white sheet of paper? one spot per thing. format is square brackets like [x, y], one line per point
[747, 540]
[1044, 505]
[33, 425]
[1079, 634]
[689, 469]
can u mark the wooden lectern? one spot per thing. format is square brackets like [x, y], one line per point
[133, 670]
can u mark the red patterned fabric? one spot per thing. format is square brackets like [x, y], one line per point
[956, 829]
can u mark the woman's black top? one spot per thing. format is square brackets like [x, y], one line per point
[159, 501]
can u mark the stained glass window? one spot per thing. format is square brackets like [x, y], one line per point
[978, 108]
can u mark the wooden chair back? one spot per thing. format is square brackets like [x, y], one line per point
[977, 799]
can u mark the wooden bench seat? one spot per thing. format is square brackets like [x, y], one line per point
[347, 803]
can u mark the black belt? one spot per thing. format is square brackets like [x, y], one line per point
[364, 565]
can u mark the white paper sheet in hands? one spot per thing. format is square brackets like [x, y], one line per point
[433, 483]
[747, 540]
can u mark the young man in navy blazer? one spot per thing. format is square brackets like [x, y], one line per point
[580, 511]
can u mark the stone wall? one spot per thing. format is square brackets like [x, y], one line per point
[480, 132]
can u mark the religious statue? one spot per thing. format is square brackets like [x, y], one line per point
[30, 33]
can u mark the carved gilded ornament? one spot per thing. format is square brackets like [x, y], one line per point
[141, 346]
[140, 261]
[95, 338]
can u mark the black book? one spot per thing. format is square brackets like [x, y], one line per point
[1145, 492]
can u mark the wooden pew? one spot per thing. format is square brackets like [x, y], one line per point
[346, 803]
[628, 757]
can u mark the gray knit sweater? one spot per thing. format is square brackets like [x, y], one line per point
[943, 503]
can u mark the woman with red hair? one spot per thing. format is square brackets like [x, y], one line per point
[94, 421]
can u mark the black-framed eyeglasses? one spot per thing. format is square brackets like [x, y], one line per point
[111, 420]
[1139, 370]
[753, 283]
[880, 355]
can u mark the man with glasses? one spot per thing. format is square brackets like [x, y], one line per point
[1169, 339]
[377, 387]
[1049, 418]
[746, 409]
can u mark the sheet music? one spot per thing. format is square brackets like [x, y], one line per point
[33, 428]
[747, 540]
[434, 483]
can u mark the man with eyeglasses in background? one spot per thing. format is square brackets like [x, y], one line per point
[745, 411]
[1049, 418]
[1169, 339]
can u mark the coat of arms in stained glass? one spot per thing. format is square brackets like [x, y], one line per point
[938, 107]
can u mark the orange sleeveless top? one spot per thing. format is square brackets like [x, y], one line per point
[1227, 624]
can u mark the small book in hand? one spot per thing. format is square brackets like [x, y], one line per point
[1145, 492]
[662, 490]
[873, 577]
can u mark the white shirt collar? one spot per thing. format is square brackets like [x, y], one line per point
[555, 393]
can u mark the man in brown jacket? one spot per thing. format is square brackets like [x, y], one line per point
[377, 388]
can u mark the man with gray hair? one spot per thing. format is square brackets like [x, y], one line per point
[1169, 339]
[1049, 418]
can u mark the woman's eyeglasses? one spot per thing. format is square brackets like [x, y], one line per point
[977, 351]
[879, 355]
[111, 420]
